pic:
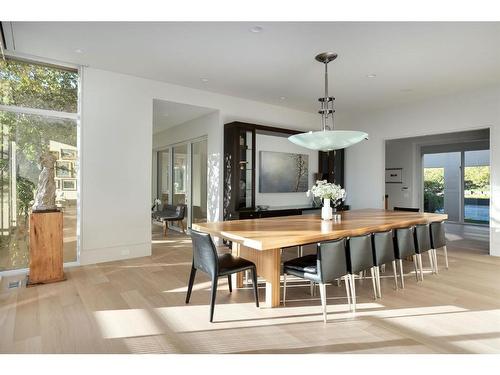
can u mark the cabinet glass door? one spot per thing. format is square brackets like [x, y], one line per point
[246, 169]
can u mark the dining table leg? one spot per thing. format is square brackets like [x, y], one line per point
[268, 263]
[237, 278]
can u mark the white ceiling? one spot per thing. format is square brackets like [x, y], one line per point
[410, 60]
[168, 114]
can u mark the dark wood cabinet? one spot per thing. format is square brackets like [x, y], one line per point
[331, 166]
[239, 169]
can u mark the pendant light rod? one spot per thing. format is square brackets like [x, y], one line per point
[326, 81]
[326, 108]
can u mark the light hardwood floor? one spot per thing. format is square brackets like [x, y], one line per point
[137, 306]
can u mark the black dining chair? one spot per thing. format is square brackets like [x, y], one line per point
[326, 266]
[206, 259]
[423, 245]
[383, 253]
[438, 239]
[409, 209]
[360, 258]
[404, 246]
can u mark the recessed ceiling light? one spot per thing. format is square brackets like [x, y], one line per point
[372, 75]
[282, 97]
[256, 29]
[204, 80]
[79, 50]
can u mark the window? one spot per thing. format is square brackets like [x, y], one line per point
[38, 106]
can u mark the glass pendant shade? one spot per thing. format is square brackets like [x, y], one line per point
[328, 140]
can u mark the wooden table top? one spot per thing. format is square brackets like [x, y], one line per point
[287, 231]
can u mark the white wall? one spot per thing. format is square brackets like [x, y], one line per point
[365, 162]
[116, 160]
[282, 144]
[403, 155]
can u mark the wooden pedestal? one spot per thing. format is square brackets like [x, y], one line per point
[46, 247]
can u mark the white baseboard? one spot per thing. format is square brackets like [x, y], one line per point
[109, 254]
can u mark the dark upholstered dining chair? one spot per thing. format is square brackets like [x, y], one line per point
[326, 266]
[404, 246]
[383, 253]
[438, 239]
[409, 209]
[360, 258]
[206, 259]
[423, 245]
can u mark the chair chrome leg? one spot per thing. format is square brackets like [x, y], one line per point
[374, 283]
[377, 275]
[322, 292]
[415, 265]
[401, 273]
[338, 281]
[284, 289]
[445, 256]
[421, 268]
[348, 290]
[431, 260]
[382, 268]
[313, 288]
[434, 254]
[353, 292]
[394, 270]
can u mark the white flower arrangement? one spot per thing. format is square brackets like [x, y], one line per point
[326, 190]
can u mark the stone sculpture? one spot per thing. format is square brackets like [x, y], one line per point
[45, 198]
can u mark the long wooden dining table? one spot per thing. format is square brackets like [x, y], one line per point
[261, 240]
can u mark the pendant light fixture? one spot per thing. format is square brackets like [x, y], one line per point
[327, 139]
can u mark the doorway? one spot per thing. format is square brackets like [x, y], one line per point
[445, 173]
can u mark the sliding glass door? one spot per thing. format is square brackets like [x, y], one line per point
[442, 188]
[179, 187]
[199, 181]
[164, 176]
[477, 186]
[182, 178]
[458, 184]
